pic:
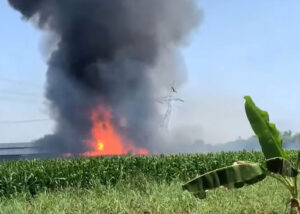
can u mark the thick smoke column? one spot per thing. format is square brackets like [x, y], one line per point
[108, 52]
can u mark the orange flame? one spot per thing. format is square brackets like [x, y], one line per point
[104, 138]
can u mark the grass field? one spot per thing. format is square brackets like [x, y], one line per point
[142, 196]
[131, 184]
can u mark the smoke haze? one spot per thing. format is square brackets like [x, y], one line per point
[119, 53]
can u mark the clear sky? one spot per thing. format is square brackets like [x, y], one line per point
[248, 47]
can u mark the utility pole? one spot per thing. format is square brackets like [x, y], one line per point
[168, 100]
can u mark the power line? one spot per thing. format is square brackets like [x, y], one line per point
[26, 94]
[26, 100]
[31, 102]
[25, 121]
[20, 82]
[13, 142]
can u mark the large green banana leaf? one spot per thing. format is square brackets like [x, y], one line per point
[234, 176]
[298, 161]
[281, 166]
[268, 135]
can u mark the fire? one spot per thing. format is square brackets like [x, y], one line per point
[100, 146]
[104, 138]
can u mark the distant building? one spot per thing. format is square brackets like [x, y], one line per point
[15, 151]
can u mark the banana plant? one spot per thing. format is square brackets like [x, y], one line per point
[243, 173]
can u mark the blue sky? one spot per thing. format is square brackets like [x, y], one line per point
[247, 47]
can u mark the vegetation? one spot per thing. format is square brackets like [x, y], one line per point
[289, 141]
[242, 172]
[149, 197]
[33, 176]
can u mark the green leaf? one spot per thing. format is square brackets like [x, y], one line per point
[234, 176]
[281, 166]
[268, 135]
[298, 161]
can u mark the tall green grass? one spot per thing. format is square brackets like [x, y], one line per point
[147, 197]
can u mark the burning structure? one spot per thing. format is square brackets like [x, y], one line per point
[108, 61]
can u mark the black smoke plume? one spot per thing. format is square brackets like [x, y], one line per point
[110, 52]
